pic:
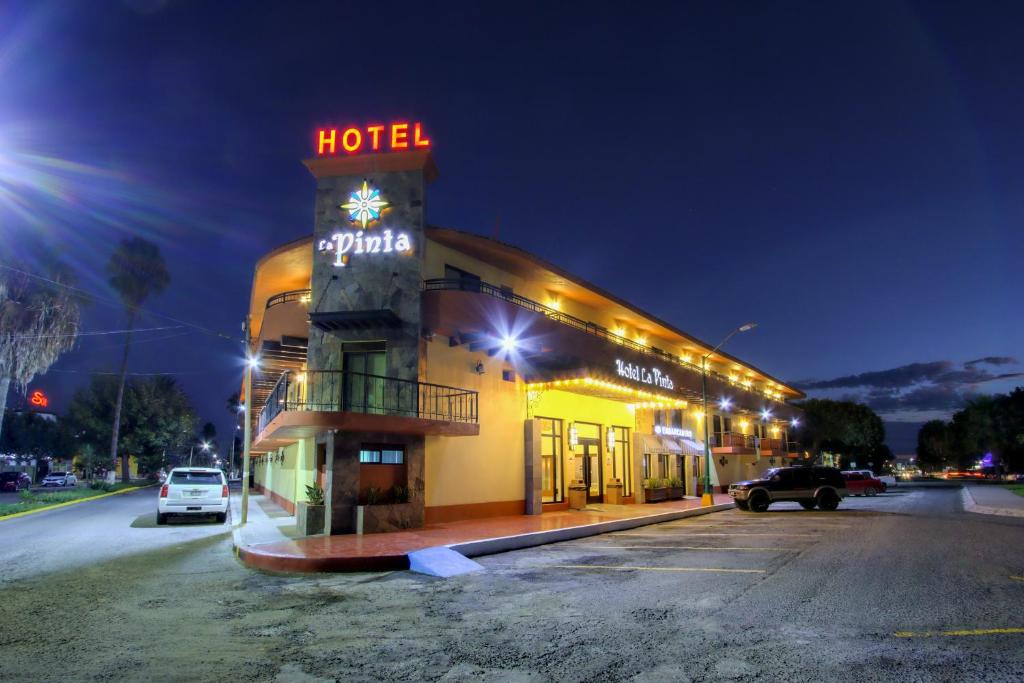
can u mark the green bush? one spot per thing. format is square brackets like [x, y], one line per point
[374, 496]
[654, 483]
[26, 496]
[674, 482]
[400, 494]
[315, 495]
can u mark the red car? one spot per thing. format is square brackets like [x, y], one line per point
[14, 481]
[863, 484]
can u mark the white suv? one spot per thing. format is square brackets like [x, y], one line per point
[193, 491]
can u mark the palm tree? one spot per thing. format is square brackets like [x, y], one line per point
[38, 322]
[137, 271]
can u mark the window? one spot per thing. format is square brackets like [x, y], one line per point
[205, 478]
[663, 471]
[382, 455]
[622, 453]
[677, 419]
[468, 280]
[550, 459]
[647, 466]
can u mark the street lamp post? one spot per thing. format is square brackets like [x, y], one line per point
[707, 498]
[251, 364]
[206, 447]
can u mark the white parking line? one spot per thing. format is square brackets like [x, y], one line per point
[666, 547]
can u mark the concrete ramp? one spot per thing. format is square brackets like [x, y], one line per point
[441, 561]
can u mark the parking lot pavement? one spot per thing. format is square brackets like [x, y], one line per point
[904, 586]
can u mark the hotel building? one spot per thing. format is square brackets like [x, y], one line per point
[422, 374]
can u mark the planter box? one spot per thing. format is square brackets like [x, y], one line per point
[394, 517]
[655, 495]
[309, 519]
[676, 492]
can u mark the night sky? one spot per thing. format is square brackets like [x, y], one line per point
[849, 178]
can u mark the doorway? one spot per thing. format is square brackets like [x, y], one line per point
[589, 453]
[364, 365]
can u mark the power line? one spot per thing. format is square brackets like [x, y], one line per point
[111, 302]
[118, 374]
[97, 333]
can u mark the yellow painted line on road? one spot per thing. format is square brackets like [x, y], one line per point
[663, 547]
[71, 502]
[653, 569]
[721, 533]
[1017, 578]
[960, 632]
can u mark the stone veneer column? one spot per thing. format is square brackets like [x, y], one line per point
[532, 463]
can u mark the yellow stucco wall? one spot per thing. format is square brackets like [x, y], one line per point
[476, 469]
[288, 478]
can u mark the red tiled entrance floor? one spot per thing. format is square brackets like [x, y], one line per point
[351, 552]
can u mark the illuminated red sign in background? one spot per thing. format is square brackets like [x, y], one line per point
[39, 399]
[394, 137]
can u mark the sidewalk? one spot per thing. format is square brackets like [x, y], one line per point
[992, 500]
[266, 542]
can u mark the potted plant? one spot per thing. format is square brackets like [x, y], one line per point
[309, 513]
[675, 488]
[655, 490]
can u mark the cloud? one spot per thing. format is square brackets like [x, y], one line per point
[917, 388]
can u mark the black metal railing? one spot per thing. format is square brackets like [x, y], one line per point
[506, 294]
[344, 391]
[285, 297]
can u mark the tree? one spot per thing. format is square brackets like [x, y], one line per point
[851, 429]
[933, 447]
[156, 418]
[37, 436]
[38, 322]
[137, 271]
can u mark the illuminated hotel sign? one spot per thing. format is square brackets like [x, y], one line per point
[654, 377]
[664, 430]
[364, 207]
[394, 137]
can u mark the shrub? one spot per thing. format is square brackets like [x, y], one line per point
[374, 496]
[400, 494]
[26, 496]
[315, 495]
[674, 482]
[654, 483]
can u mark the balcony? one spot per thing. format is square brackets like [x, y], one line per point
[771, 448]
[733, 443]
[302, 404]
[793, 450]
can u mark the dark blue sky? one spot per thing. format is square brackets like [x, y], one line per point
[849, 177]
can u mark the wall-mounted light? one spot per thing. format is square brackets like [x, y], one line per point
[795, 422]
[766, 415]
[611, 439]
[725, 404]
[574, 438]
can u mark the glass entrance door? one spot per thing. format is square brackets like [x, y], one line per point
[364, 383]
[589, 452]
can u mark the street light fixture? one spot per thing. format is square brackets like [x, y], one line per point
[708, 498]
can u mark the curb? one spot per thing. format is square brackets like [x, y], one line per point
[971, 506]
[72, 502]
[251, 557]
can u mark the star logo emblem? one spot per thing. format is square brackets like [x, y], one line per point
[364, 205]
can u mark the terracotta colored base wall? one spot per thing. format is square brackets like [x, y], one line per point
[280, 500]
[454, 513]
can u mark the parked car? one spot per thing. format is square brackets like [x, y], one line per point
[822, 487]
[193, 491]
[860, 484]
[14, 481]
[60, 479]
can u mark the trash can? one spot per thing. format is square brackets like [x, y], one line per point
[613, 492]
[577, 495]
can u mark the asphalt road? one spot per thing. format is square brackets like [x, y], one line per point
[91, 533]
[903, 587]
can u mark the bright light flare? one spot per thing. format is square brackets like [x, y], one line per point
[725, 404]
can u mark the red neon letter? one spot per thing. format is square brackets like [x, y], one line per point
[351, 147]
[39, 399]
[374, 132]
[324, 140]
[417, 140]
[399, 136]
